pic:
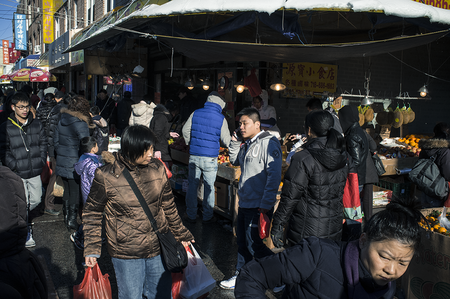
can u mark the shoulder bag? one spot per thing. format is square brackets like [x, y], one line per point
[378, 164]
[172, 251]
[427, 176]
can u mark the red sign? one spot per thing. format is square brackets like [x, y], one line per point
[5, 44]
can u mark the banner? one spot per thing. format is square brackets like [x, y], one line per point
[14, 55]
[445, 4]
[305, 78]
[47, 7]
[20, 32]
[5, 45]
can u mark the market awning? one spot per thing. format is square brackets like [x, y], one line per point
[210, 50]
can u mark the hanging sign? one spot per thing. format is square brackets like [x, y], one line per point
[47, 7]
[20, 32]
[5, 45]
[445, 4]
[306, 78]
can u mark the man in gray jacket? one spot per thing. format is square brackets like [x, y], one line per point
[260, 160]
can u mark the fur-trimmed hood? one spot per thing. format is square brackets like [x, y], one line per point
[434, 143]
[108, 157]
[78, 115]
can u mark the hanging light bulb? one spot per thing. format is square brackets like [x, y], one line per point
[240, 87]
[423, 91]
[189, 84]
[206, 84]
[278, 86]
[366, 101]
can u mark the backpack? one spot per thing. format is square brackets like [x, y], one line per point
[427, 176]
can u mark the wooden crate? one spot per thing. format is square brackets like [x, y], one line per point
[228, 172]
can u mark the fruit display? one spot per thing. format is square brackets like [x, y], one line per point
[433, 221]
[398, 152]
[223, 157]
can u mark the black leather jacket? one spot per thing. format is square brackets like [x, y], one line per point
[358, 148]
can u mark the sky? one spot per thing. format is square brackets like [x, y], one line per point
[7, 8]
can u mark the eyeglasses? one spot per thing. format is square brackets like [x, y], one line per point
[23, 107]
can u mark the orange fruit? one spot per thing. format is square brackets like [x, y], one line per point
[437, 226]
[442, 230]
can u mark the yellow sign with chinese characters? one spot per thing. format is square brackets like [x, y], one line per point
[306, 78]
[47, 7]
[445, 4]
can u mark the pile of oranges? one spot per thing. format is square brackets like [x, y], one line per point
[412, 140]
[434, 223]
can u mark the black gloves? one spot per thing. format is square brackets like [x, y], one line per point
[277, 236]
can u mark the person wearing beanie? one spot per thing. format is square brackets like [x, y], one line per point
[203, 131]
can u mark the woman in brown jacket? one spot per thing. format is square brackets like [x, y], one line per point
[132, 242]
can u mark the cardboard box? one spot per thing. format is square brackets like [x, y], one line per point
[391, 165]
[428, 274]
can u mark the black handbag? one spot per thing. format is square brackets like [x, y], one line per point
[427, 176]
[172, 251]
[378, 164]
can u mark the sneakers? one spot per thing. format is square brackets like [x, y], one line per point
[30, 241]
[211, 220]
[229, 283]
[187, 219]
[79, 242]
[278, 289]
[52, 212]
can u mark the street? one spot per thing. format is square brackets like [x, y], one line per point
[214, 242]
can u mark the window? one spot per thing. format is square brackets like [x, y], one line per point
[66, 20]
[90, 11]
[75, 14]
[57, 28]
[109, 5]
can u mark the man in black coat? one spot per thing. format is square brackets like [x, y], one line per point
[23, 148]
[123, 112]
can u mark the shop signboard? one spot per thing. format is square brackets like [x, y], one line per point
[5, 45]
[20, 32]
[306, 78]
[445, 4]
[56, 56]
[47, 7]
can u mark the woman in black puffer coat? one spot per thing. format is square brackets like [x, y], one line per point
[75, 124]
[356, 140]
[438, 146]
[311, 199]
[44, 109]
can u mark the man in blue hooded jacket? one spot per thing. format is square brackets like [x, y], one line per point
[203, 131]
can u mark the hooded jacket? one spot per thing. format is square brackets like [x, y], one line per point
[101, 133]
[85, 168]
[161, 127]
[72, 127]
[260, 171]
[439, 148]
[23, 148]
[142, 114]
[316, 268]
[43, 112]
[206, 127]
[311, 199]
[129, 232]
[356, 140]
[52, 123]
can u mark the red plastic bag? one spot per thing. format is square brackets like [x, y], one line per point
[46, 172]
[95, 285]
[351, 199]
[264, 226]
[176, 280]
[169, 174]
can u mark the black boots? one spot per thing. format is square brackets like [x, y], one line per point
[71, 222]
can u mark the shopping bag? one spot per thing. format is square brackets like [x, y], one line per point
[95, 285]
[169, 174]
[351, 200]
[264, 225]
[176, 284]
[58, 188]
[197, 280]
[46, 172]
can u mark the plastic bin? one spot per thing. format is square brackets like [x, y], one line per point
[399, 189]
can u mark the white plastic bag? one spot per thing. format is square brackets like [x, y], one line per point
[443, 220]
[197, 280]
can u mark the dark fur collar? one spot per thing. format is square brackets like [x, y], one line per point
[80, 116]
[434, 143]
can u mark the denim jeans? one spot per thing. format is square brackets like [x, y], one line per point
[142, 278]
[198, 166]
[249, 243]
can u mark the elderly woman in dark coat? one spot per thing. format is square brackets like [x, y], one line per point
[75, 124]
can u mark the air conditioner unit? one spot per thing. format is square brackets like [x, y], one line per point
[37, 49]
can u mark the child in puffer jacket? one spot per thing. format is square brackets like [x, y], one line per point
[85, 167]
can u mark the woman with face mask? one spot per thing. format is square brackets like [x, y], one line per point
[311, 199]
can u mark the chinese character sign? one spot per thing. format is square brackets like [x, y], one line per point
[445, 4]
[20, 31]
[305, 78]
[47, 7]
[5, 45]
